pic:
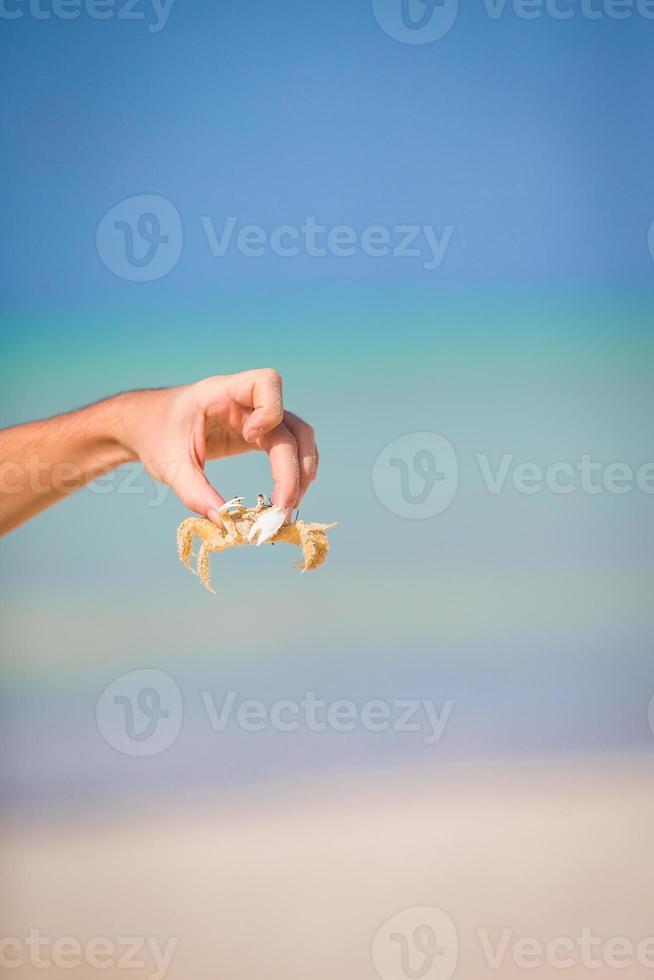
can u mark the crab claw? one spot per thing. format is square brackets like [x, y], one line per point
[234, 502]
[267, 525]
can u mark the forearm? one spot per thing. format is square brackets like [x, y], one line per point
[41, 462]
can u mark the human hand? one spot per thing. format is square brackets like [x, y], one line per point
[174, 431]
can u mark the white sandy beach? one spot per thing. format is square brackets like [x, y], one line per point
[297, 885]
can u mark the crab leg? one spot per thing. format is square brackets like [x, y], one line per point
[235, 502]
[203, 568]
[185, 540]
[311, 538]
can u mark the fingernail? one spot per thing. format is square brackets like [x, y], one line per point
[250, 435]
[214, 516]
[287, 508]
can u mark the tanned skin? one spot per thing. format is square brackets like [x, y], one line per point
[172, 432]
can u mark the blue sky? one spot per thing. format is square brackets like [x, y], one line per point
[533, 139]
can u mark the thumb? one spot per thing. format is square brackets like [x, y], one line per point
[194, 490]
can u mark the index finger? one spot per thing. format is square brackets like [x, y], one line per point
[282, 453]
[260, 391]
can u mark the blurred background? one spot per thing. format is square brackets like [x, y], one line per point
[437, 223]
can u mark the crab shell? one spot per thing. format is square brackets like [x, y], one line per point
[241, 528]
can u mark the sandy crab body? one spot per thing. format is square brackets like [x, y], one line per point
[249, 526]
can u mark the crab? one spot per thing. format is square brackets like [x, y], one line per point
[245, 526]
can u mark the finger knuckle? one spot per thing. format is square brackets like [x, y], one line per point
[272, 375]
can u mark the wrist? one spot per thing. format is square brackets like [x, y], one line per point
[136, 422]
[109, 431]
